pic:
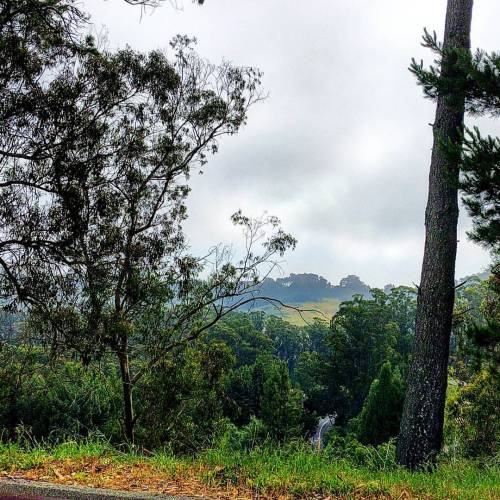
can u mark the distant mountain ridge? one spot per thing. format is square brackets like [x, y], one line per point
[308, 287]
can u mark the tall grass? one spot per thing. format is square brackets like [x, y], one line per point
[294, 470]
[299, 470]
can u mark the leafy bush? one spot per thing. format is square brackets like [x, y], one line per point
[264, 390]
[180, 403]
[58, 399]
[245, 438]
[348, 448]
[281, 405]
[473, 422]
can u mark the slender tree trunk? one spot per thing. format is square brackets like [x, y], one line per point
[127, 396]
[421, 431]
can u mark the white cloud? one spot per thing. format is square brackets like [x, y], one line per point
[341, 149]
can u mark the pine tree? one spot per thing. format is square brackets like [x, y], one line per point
[421, 432]
[379, 419]
[281, 405]
[477, 78]
[480, 181]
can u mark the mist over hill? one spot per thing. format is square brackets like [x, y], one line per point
[309, 287]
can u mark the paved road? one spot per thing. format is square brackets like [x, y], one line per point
[20, 489]
[324, 425]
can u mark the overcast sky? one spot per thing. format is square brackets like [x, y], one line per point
[340, 150]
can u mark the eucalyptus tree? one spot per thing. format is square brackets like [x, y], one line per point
[96, 150]
[94, 222]
[38, 39]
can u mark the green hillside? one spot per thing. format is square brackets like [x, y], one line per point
[324, 309]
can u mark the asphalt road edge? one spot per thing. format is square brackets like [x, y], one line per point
[38, 490]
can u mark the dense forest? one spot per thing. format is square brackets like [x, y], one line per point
[120, 348]
[256, 377]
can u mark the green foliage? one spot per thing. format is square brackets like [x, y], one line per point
[264, 390]
[180, 403]
[281, 405]
[473, 421]
[347, 447]
[365, 334]
[247, 437]
[243, 394]
[480, 183]
[317, 332]
[289, 340]
[379, 419]
[310, 376]
[243, 334]
[477, 327]
[56, 399]
[477, 78]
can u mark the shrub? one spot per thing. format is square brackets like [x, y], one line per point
[473, 421]
[348, 448]
[281, 405]
[245, 438]
[62, 398]
[265, 391]
[180, 403]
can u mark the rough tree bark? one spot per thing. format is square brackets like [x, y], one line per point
[421, 432]
[127, 396]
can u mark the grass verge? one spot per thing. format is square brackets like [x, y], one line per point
[264, 473]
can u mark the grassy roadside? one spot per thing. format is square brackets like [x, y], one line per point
[296, 472]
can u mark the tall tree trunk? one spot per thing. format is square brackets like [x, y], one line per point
[421, 431]
[127, 396]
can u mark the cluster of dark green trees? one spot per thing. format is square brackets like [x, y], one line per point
[298, 288]
[268, 377]
[254, 377]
